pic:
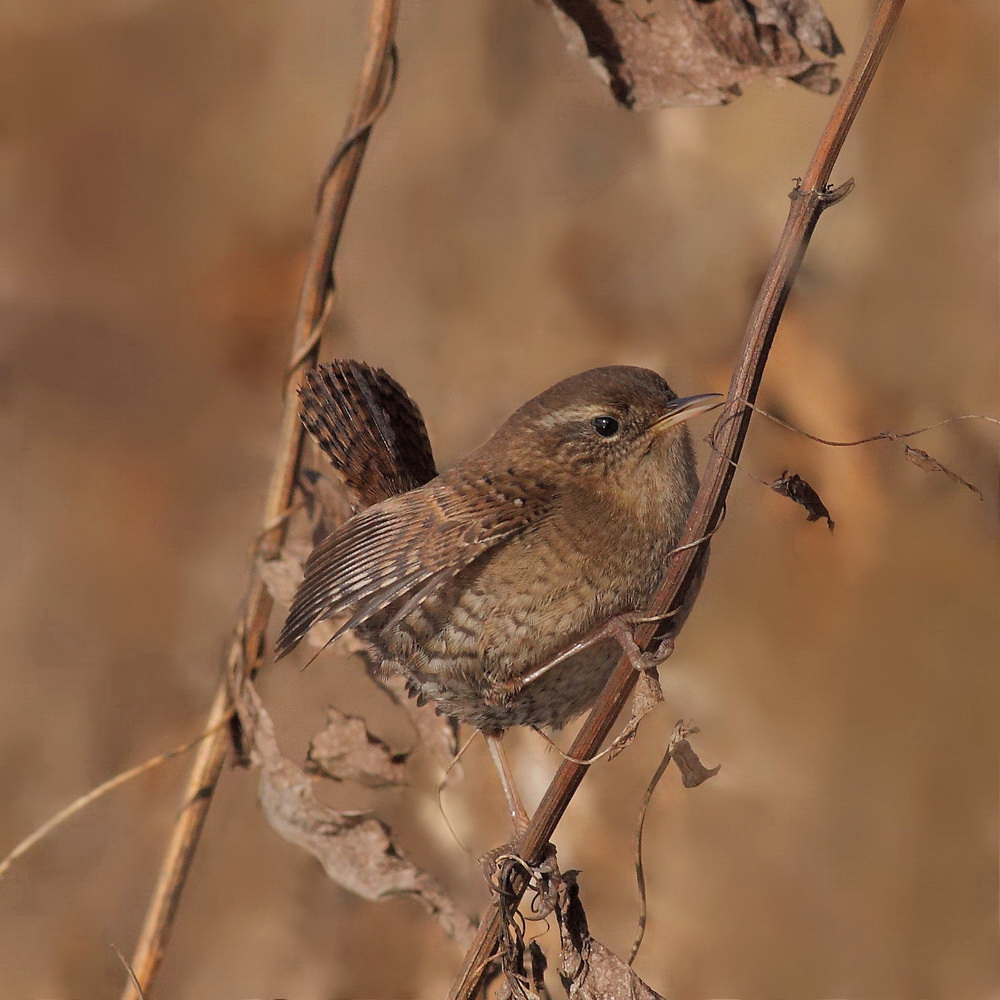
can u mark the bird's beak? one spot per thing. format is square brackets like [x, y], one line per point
[684, 409]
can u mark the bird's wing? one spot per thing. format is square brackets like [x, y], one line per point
[369, 428]
[406, 547]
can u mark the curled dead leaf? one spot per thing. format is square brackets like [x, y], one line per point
[654, 53]
[589, 970]
[928, 463]
[799, 491]
[648, 694]
[693, 773]
[354, 848]
[345, 750]
[680, 751]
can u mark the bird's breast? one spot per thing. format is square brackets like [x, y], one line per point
[522, 603]
[518, 606]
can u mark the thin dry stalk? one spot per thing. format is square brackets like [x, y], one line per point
[94, 794]
[810, 197]
[244, 656]
[128, 969]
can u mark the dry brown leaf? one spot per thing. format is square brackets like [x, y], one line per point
[648, 694]
[930, 464]
[327, 503]
[693, 772]
[354, 848]
[281, 576]
[437, 732]
[345, 750]
[654, 53]
[589, 970]
[799, 491]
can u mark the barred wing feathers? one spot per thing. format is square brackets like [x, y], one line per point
[369, 429]
[404, 549]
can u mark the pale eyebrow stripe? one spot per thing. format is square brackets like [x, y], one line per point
[568, 413]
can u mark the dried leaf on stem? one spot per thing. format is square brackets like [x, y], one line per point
[685, 52]
[799, 491]
[693, 774]
[928, 463]
[344, 750]
[354, 848]
[589, 970]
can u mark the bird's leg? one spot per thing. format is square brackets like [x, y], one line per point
[518, 814]
[620, 628]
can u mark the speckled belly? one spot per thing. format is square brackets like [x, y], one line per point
[466, 652]
[550, 701]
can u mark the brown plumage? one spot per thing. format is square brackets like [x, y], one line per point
[473, 584]
[468, 581]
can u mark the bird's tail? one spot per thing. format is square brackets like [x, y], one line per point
[368, 428]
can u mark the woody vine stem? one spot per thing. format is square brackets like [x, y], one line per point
[371, 94]
[809, 198]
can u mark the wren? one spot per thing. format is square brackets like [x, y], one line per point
[499, 588]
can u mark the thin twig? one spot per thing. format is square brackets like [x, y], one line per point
[680, 732]
[248, 642]
[809, 199]
[871, 439]
[881, 436]
[95, 793]
[128, 969]
[440, 793]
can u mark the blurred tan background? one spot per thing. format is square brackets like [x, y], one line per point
[158, 163]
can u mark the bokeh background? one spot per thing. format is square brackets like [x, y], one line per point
[158, 163]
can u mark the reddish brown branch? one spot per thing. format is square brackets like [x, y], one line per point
[809, 199]
[245, 651]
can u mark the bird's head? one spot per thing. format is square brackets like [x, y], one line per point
[608, 423]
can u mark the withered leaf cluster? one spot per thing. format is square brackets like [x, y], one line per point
[655, 53]
[589, 970]
[345, 750]
[355, 848]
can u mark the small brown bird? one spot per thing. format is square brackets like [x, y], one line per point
[502, 588]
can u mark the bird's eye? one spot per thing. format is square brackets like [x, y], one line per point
[605, 426]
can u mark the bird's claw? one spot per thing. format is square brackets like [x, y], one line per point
[493, 861]
[653, 658]
[622, 629]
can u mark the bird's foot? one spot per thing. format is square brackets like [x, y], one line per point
[503, 864]
[496, 861]
[622, 629]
